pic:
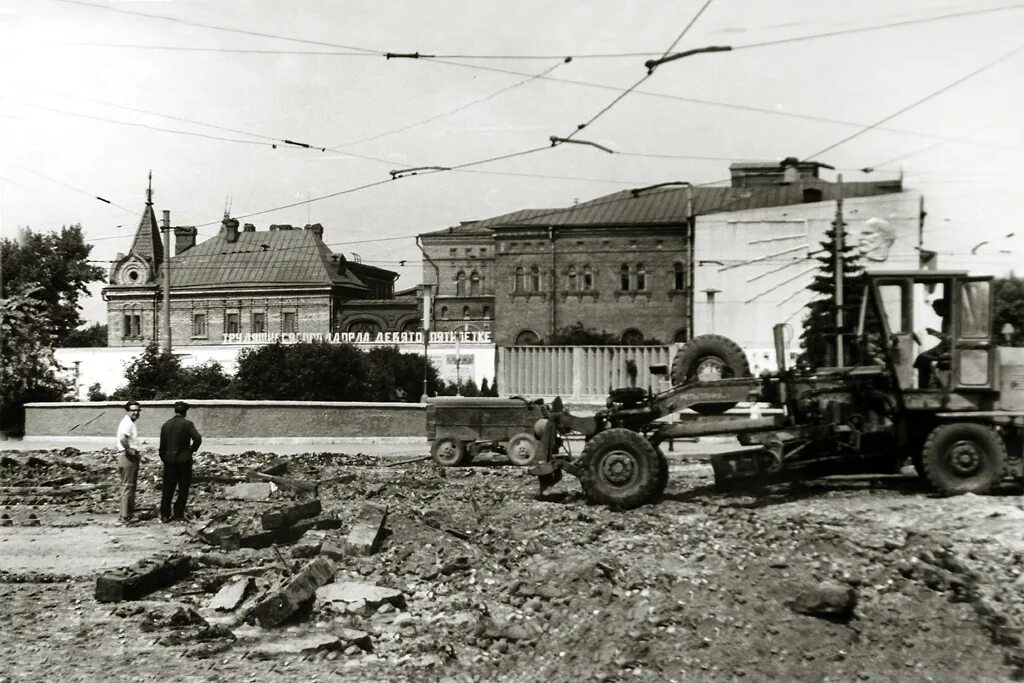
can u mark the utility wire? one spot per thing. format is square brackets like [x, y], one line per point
[79, 190]
[921, 101]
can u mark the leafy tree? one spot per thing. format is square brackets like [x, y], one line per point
[207, 380]
[28, 369]
[152, 376]
[398, 376]
[57, 265]
[818, 338]
[91, 336]
[1008, 294]
[316, 371]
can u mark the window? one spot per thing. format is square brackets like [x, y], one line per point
[588, 279]
[534, 278]
[259, 322]
[641, 277]
[624, 278]
[132, 325]
[974, 309]
[444, 311]
[487, 312]
[572, 279]
[678, 279]
[469, 251]
[519, 284]
[460, 283]
[198, 324]
[231, 325]
[289, 322]
[465, 312]
[474, 283]
[453, 252]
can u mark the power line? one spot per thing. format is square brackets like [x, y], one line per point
[920, 101]
[79, 190]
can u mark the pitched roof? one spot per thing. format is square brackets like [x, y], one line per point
[147, 242]
[274, 257]
[668, 205]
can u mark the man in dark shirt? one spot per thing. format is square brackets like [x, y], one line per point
[179, 440]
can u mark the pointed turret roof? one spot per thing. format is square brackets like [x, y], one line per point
[147, 242]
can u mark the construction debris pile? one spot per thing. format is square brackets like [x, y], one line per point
[319, 566]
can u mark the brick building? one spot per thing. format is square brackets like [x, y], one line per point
[622, 264]
[248, 286]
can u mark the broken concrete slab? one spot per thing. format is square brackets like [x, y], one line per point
[296, 646]
[232, 593]
[367, 530]
[218, 533]
[142, 578]
[281, 604]
[249, 490]
[282, 517]
[830, 600]
[360, 594]
[282, 536]
[295, 484]
[277, 466]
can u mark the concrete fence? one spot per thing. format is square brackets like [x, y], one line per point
[234, 419]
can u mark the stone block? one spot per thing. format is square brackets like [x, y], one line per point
[282, 603]
[829, 600]
[142, 578]
[277, 466]
[225, 535]
[282, 517]
[251, 490]
[367, 530]
[232, 593]
[361, 594]
[283, 536]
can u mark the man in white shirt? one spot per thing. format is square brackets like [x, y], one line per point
[129, 458]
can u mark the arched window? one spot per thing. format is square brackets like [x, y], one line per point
[624, 278]
[641, 277]
[519, 285]
[534, 278]
[444, 311]
[465, 312]
[588, 279]
[460, 283]
[368, 327]
[474, 283]
[572, 283]
[413, 325]
[632, 337]
[678, 279]
[527, 338]
[487, 312]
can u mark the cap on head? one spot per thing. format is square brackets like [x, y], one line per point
[180, 407]
[129, 404]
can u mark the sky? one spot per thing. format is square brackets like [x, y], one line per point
[211, 95]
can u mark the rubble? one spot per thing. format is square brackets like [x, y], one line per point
[232, 593]
[282, 517]
[142, 578]
[281, 604]
[367, 530]
[360, 595]
[250, 491]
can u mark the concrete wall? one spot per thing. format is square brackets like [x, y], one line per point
[233, 419]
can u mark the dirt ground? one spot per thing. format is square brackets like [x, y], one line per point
[868, 578]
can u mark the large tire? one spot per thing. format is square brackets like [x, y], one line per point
[963, 457]
[709, 357]
[449, 452]
[522, 449]
[622, 469]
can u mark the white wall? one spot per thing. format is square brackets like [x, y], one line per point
[740, 254]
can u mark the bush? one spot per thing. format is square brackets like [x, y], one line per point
[154, 375]
[397, 376]
[207, 380]
[95, 393]
[315, 371]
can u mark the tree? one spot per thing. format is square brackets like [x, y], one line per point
[91, 336]
[57, 265]
[154, 375]
[1008, 295]
[28, 369]
[398, 376]
[818, 338]
[316, 371]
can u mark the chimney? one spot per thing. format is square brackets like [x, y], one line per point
[318, 229]
[248, 227]
[230, 230]
[184, 238]
[166, 222]
[281, 226]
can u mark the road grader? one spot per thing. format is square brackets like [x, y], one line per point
[956, 410]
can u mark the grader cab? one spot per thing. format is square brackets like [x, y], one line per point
[919, 376]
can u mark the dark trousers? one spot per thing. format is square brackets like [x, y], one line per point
[177, 475]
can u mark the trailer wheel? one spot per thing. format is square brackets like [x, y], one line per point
[622, 469]
[709, 357]
[522, 449]
[449, 452]
[963, 457]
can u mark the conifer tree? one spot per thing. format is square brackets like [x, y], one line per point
[818, 339]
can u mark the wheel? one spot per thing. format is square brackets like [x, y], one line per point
[963, 457]
[522, 449]
[621, 468]
[448, 452]
[709, 357]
